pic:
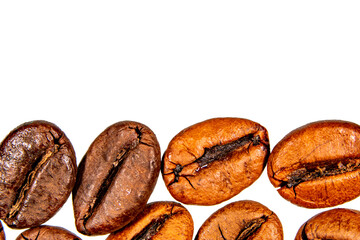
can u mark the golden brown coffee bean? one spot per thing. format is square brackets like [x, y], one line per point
[159, 221]
[214, 160]
[335, 224]
[318, 165]
[47, 233]
[116, 178]
[241, 220]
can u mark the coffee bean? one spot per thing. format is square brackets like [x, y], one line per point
[214, 160]
[160, 220]
[339, 223]
[241, 220]
[116, 178]
[47, 233]
[2, 233]
[318, 165]
[38, 171]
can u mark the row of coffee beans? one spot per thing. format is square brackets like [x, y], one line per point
[314, 166]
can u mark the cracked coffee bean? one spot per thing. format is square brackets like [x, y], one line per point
[318, 165]
[160, 220]
[214, 160]
[2, 233]
[335, 224]
[38, 171]
[116, 178]
[241, 220]
[47, 233]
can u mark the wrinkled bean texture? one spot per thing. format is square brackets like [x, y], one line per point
[335, 224]
[318, 165]
[214, 160]
[2, 233]
[47, 233]
[37, 173]
[159, 221]
[241, 220]
[116, 178]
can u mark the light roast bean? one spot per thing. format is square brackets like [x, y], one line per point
[214, 160]
[47, 233]
[335, 224]
[116, 178]
[37, 173]
[241, 220]
[160, 221]
[318, 165]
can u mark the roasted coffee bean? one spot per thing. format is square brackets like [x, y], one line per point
[335, 224]
[318, 165]
[160, 220]
[2, 233]
[47, 233]
[116, 178]
[37, 173]
[214, 160]
[241, 220]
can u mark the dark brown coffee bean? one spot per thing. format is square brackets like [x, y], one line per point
[241, 220]
[214, 160]
[116, 178]
[2, 233]
[38, 171]
[161, 221]
[335, 224]
[47, 233]
[318, 165]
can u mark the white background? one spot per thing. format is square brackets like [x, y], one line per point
[85, 65]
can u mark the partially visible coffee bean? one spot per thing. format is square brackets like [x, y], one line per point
[116, 178]
[47, 233]
[159, 220]
[37, 173]
[2, 233]
[318, 165]
[336, 224]
[214, 160]
[241, 220]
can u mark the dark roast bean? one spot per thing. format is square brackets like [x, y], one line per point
[2, 233]
[241, 220]
[318, 165]
[47, 233]
[214, 160]
[38, 171]
[159, 220]
[335, 224]
[116, 178]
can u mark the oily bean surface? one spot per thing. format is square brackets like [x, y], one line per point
[214, 160]
[159, 221]
[318, 165]
[116, 178]
[241, 220]
[47, 233]
[339, 223]
[2, 233]
[37, 173]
